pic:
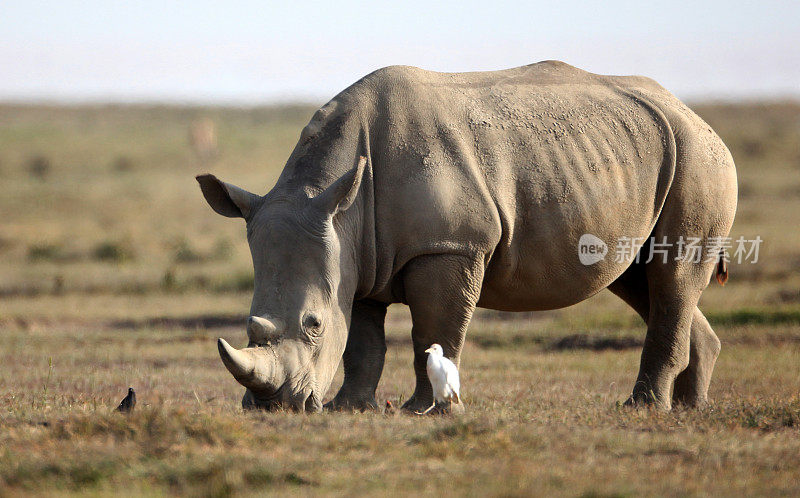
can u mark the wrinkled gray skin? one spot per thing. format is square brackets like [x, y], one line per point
[451, 191]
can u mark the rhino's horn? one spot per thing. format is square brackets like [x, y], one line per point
[251, 367]
[239, 363]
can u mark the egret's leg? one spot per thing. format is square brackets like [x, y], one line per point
[428, 410]
[441, 291]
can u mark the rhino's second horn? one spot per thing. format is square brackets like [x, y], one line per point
[260, 329]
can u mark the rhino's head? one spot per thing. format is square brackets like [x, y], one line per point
[305, 279]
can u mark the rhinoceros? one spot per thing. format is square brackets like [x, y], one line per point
[451, 191]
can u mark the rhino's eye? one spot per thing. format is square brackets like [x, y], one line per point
[312, 322]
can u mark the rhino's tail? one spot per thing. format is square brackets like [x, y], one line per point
[722, 268]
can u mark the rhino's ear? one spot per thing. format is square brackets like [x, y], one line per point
[226, 199]
[341, 194]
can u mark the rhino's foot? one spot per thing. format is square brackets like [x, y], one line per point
[248, 401]
[646, 399]
[689, 399]
[351, 404]
[690, 389]
[634, 402]
[417, 404]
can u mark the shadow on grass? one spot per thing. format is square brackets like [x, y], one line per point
[191, 322]
[571, 342]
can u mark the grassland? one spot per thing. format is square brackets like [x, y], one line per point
[113, 272]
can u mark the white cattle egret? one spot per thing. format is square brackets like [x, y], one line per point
[443, 375]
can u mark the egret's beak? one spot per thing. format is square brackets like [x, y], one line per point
[429, 350]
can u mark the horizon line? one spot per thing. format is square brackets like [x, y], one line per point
[309, 101]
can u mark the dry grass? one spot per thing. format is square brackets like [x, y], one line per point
[113, 272]
[539, 421]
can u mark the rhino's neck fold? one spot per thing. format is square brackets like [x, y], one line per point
[329, 147]
[365, 245]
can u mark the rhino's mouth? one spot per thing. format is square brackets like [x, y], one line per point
[267, 400]
[313, 404]
[306, 400]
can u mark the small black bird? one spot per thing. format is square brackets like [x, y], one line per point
[127, 404]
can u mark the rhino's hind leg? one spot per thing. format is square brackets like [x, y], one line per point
[691, 385]
[363, 358]
[666, 349]
[441, 292]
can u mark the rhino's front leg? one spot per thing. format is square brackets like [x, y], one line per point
[363, 358]
[441, 292]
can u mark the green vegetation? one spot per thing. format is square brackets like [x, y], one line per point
[115, 273]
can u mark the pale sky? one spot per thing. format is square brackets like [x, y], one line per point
[248, 52]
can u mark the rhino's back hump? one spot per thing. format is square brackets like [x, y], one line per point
[521, 163]
[547, 113]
